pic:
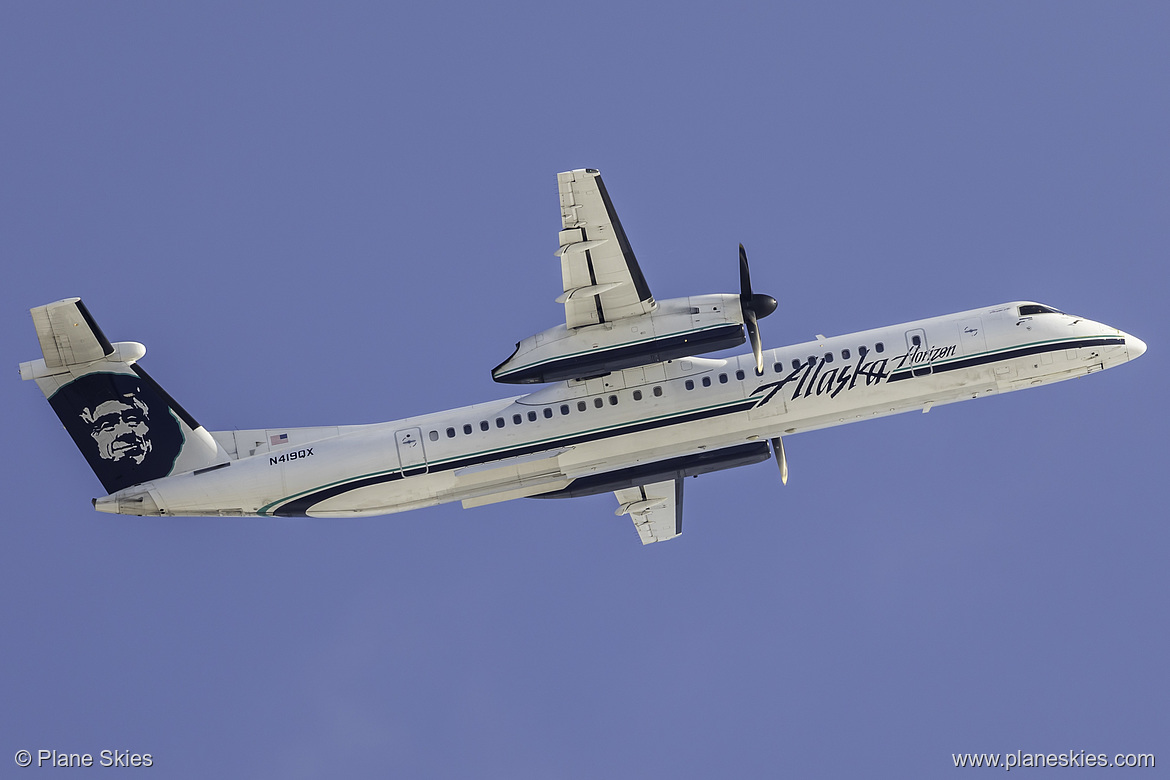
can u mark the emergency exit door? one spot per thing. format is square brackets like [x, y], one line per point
[412, 459]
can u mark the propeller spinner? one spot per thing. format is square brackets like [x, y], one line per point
[755, 307]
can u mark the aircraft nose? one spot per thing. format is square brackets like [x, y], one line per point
[1134, 346]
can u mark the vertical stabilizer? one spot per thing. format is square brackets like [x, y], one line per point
[128, 428]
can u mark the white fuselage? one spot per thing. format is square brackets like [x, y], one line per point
[579, 429]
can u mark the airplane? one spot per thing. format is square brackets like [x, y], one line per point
[626, 404]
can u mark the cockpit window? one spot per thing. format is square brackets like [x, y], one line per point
[1027, 310]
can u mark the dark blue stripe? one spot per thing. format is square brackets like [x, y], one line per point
[299, 507]
[981, 360]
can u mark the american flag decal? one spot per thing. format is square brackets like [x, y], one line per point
[281, 439]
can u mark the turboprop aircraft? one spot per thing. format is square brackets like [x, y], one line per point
[626, 404]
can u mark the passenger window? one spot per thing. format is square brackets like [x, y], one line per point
[499, 422]
[613, 400]
[581, 406]
[532, 417]
[548, 412]
[828, 357]
[657, 391]
[690, 385]
[483, 425]
[598, 402]
[880, 347]
[434, 435]
[862, 352]
[777, 367]
[706, 381]
[467, 428]
[844, 354]
[564, 408]
[739, 374]
[915, 340]
[517, 419]
[723, 379]
[796, 364]
[637, 395]
[450, 433]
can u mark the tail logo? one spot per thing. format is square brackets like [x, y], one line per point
[125, 430]
[120, 428]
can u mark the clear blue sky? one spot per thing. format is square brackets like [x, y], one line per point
[348, 215]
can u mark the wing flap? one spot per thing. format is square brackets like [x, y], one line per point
[602, 279]
[656, 509]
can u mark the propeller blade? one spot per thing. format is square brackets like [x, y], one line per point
[781, 459]
[753, 332]
[745, 278]
[754, 307]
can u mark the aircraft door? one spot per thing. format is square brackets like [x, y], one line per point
[412, 458]
[971, 336]
[918, 349]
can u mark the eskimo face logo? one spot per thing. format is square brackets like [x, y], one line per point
[122, 425]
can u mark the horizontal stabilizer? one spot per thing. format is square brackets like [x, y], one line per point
[129, 429]
[68, 334]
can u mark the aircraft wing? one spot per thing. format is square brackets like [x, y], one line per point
[656, 509]
[602, 280]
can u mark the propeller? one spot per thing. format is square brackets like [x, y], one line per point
[755, 307]
[781, 459]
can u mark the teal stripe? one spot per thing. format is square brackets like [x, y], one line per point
[501, 451]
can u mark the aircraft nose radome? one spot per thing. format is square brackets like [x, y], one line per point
[1134, 346]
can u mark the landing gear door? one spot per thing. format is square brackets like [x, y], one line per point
[411, 456]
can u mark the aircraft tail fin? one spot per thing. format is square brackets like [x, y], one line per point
[128, 428]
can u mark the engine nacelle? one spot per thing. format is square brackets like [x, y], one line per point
[678, 327]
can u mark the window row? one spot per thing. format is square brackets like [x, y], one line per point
[797, 363]
[846, 354]
[706, 381]
[518, 419]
